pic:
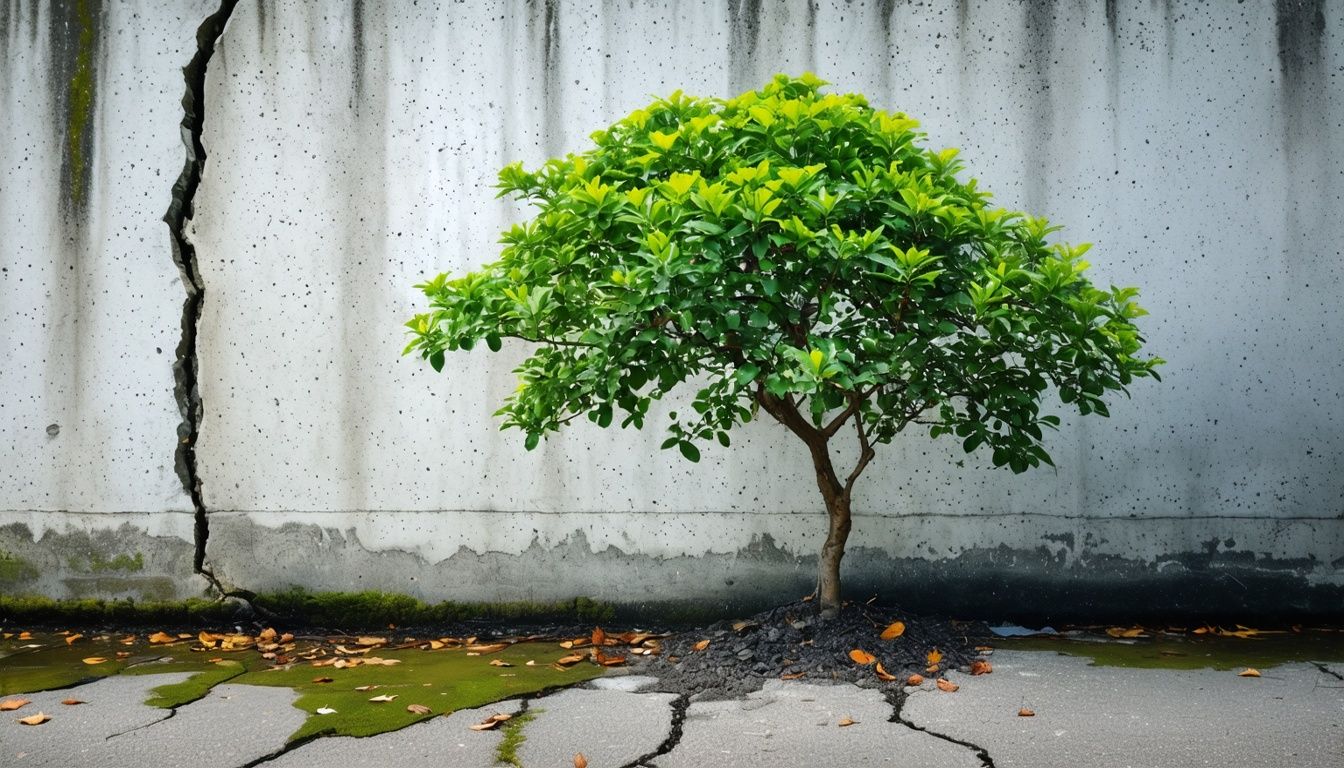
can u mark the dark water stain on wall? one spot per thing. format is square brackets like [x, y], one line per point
[358, 48]
[1040, 48]
[1300, 28]
[75, 49]
[744, 18]
[552, 120]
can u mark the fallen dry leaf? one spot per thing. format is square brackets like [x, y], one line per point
[861, 657]
[499, 663]
[419, 709]
[435, 645]
[384, 697]
[883, 674]
[893, 630]
[72, 702]
[1024, 712]
[321, 680]
[95, 660]
[531, 663]
[366, 688]
[981, 667]
[1123, 632]
[914, 680]
[947, 685]
[599, 636]
[25, 635]
[490, 723]
[8, 705]
[127, 655]
[370, 641]
[742, 626]
[267, 635]
[573, 658]
[792, 676]
[580, 761]
[700, 646]
[37, 719]
[325, 711]
[847, 722]
[487, 648]
[162, 637]
[612, 661]
[935, 656]
[72, 638]
[1249, 672]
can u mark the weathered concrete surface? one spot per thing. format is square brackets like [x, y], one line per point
[610, 728]
[442, 741]
[791, 723]
[231, 726]
[352, 152]
[1109, 716]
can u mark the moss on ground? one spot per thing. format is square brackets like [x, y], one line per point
[377, 609]
[205, 676]
[35, 609]
[507, 751]
[1192, 652]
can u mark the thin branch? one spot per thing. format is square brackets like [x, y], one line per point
[866, 454]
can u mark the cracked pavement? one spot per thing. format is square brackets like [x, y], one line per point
[1085, 715]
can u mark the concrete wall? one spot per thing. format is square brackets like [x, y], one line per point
[352, 151]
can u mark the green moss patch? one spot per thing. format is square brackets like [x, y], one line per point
[205, 676]
[1192, 652]
[507, 751]
[34, 609]
[445, 681]
[379, 609]
[45, 661]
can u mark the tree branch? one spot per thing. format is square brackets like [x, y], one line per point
[866, 453]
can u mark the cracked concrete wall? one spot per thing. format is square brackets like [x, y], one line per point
[352, 152]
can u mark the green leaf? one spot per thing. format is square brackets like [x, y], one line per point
[532, 439]
[436, 360]
[689, 451]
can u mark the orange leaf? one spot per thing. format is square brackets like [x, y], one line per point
[11, 704]
[935, 656]
[1249, 672]
[893, 631]
[1125, 633]
[862, 657]
[1024, 712]
[37, 719]
[981, 667]
[883, 674]
[418, 709]
[72, 702]
[490, 723]
[321, 680]
[580, 761]
[599, 637]
[613, 661]
[847, 722]
[95, 660]
[370, 641]
[25, 635]
[268, 634]
[71, 639]
[932, 669]
[914, 680]
[162, 637]
[702, 645]
[947, 685]
[573, 658]
[792, 676]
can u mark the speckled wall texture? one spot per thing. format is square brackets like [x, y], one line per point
[352, 151]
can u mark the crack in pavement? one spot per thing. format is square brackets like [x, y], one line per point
[172, 711]
[679, 706]
[896, 698]
[1321, 666]
[181, 209]
[171, 714]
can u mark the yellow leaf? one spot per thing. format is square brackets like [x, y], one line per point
[487, 648]
[162, 637]
[862, 657]
[1249, 672]
[71, 639]
[11, 704]
[37, 719]
[883, 674]
[893, 631]
[702, 645]
[370, 641]
[847, 722]
[499, 663]
[573, 658]
[383, 698]
[1122, 632]
[418, 709]
[935, 656]
[94, 660]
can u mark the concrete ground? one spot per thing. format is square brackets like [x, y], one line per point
[1095, 716]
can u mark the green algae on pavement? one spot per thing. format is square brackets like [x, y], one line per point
[45, 661]
[1177, 652]
[444, 680]
[507, 751]
[204, 676]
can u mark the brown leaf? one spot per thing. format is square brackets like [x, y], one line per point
[883, 674]
[573, 658]
[612, 661]
[863, 658]
[914, 680]
[1024, 712]
[742, 626]
[162, 637]
[384, 697]
[25, 635]
[1123, 632]
[1249, 672]
[418, 709]
[95, 660]
[847, 722]
[599, 636]
[286, 638]
[370, 641]
[37, 719]
[981, 667]
[702, 645]
[792, 676]
[72, 702]
[321, 679]
[488, 648]
[490, 723]
[893, 631]
[72, 638]
[580, 761]
[947, 685]
[499, 663]
[934, 657]
[9, 705]
[268, 634]
[435, 645]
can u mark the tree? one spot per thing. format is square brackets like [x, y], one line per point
[793, 252]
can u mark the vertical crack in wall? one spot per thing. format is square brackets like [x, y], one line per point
[187, 366]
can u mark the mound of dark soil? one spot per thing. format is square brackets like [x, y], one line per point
[793, 642]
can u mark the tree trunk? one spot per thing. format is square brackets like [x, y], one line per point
[828, 576]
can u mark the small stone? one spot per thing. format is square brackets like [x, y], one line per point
[746, 654]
